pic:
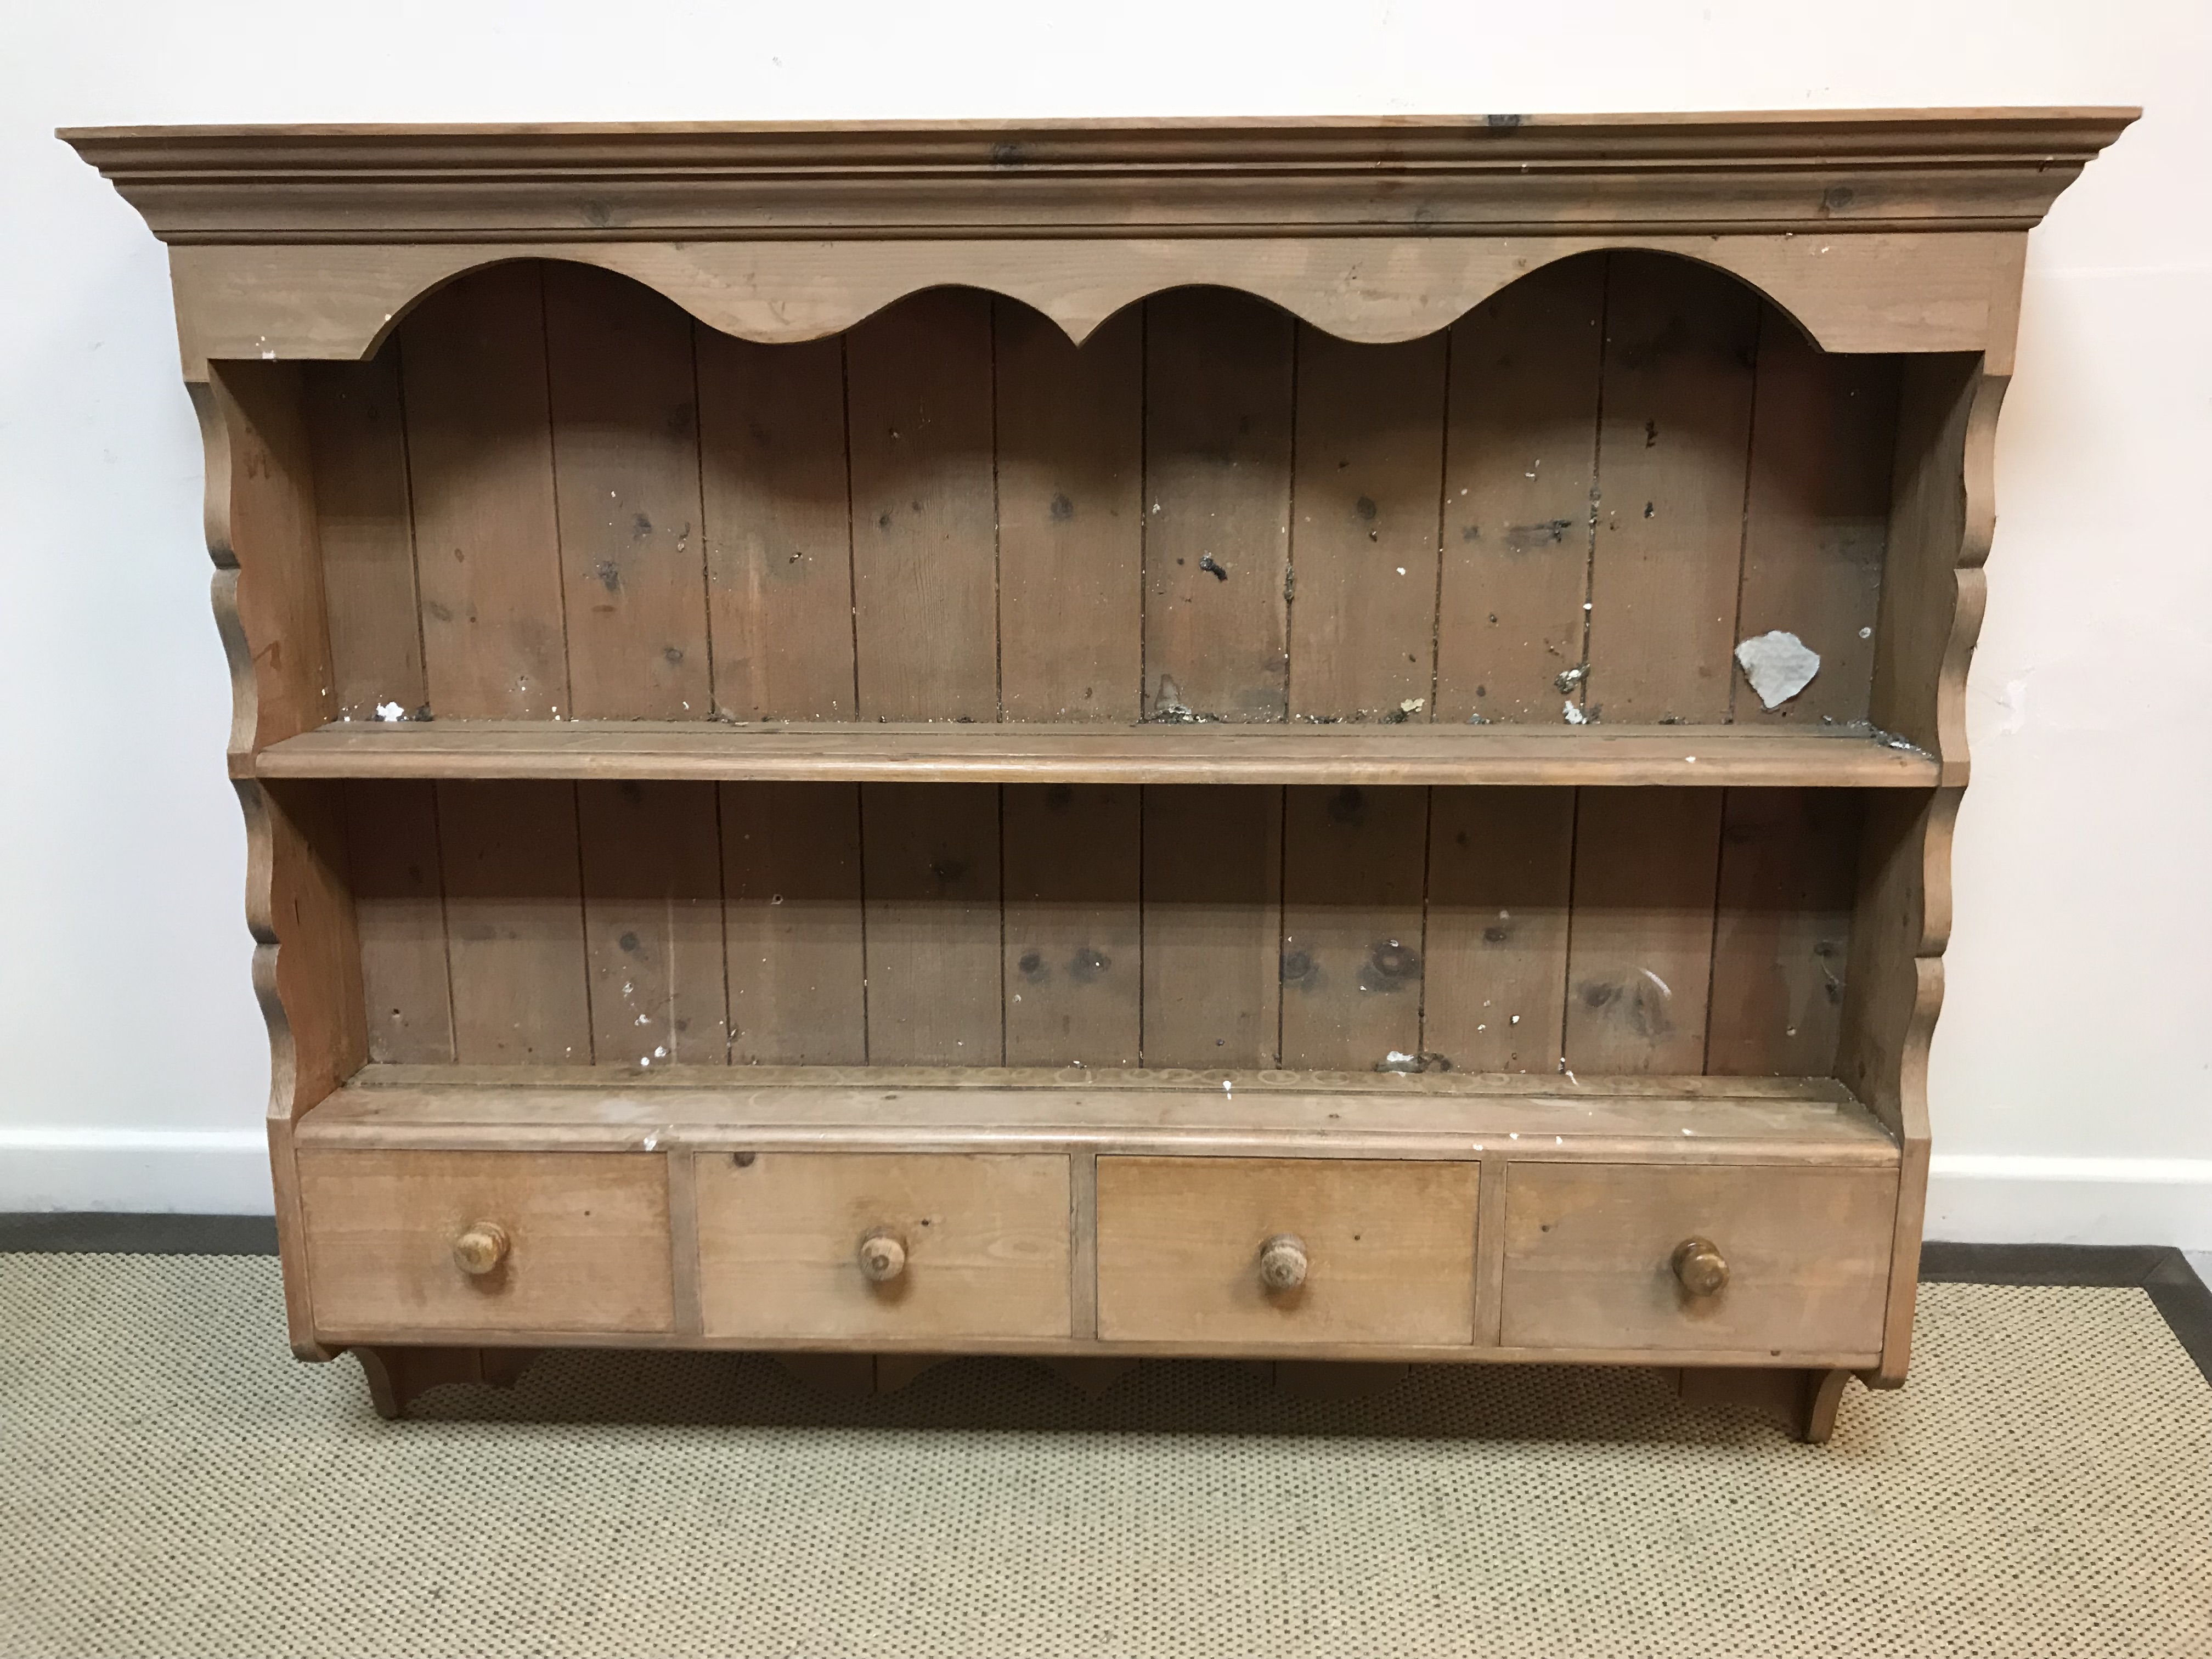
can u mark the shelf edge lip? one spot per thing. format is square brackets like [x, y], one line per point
[719, 756]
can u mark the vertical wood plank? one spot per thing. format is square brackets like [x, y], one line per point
[791, 886]
[1218, 380]
[1073, 958]
[930, 858]
[514, 921]
[480, 456]
[1782, 933]
[367, 530]
[1520, 468]
[1639, 963]
[924, 512]
[1369, 470]
[1071, 516]
[626, 458]
[1212, 922]
[1816, 520]
[1500, 865]
[653, 923]
[1352, 877]
[400, 907]
[779, 526]
[1679, 343]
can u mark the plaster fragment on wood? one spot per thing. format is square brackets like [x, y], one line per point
[1778, 665]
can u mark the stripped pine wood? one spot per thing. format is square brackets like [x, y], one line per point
[514, 923]
[1588, 1248]
[1816, 517]
[791, 895]
[1352, 963]
[1520, 477]
[585, 1245]
[983, 1246]
[1219, 380]
[1366, 484]
[1499, 877]
[1639, 963]
[1073, 937]
[1071, 516]
[653, 923]
[261, 534]
[480, 461]
[924, 510]
[1386, 327]
[1782, 930]
[399, 911]
[930, 863]
[626, 458]
[1389, 1245]
[365, 527]
[778, 526]
[1299, 752]
[1679, 344]
[1212, 922]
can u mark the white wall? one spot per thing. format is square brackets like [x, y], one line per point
[2073, 1073]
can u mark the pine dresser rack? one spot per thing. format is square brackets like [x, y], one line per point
[1102, 739]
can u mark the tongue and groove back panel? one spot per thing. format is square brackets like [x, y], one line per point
[553, 495]
[642, 924]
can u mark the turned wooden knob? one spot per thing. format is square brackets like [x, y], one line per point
[883, 1257]
[481, 1249]
[1283, 1263]
[1700, 1266]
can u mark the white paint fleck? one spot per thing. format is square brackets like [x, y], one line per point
[645, 1060]
[1575, 716]
[1778, 665]
[390, 711]
[1401, 569]
[659, 1053]
[1394, 1058]
[653, 1140]
[1866, 633]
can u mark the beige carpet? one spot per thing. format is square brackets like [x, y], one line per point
[172, 1483]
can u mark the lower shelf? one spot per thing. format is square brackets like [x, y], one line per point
[1667, 1221]
[1283, 1114]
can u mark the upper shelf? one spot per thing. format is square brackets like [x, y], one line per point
[1692, 755]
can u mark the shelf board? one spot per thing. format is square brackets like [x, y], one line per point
[946, 752]
[1457, 1114]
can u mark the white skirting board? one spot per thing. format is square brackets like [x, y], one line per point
[1972, 1197]
[142, 1171]
[2000, 1199]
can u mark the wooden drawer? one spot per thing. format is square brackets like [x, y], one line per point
[1388, 1248]
[985, 1240]
[586, 1238]
[1590, 1247]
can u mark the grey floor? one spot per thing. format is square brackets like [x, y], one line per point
[171, 1482]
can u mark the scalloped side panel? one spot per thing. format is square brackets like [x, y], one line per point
[1864, 292]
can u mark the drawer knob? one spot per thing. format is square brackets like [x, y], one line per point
[1283, 1263]
[481, 1249]
[1700, 1266]
[883, 1257]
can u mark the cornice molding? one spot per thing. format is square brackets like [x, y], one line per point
[1814, 171]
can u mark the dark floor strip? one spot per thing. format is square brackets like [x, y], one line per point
[112, 1233]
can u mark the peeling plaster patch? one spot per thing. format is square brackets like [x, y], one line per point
[1778, 665]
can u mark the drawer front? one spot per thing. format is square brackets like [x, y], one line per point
[1591, 1258]
[1389, 1251]
[581, 1241]
[983, 1242]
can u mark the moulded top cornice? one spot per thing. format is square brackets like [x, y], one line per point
[1833, 171]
